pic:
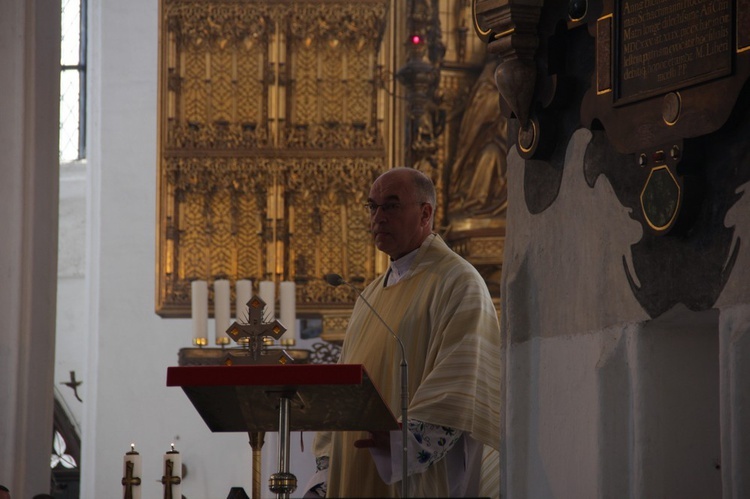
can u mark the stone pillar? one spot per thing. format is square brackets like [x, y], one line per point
[734, 350]
[29, 111]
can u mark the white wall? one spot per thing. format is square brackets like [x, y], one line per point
[71, 329]
[600, 399]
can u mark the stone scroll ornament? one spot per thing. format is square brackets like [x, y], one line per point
[662, 85]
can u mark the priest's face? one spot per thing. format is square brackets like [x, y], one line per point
[399, 220]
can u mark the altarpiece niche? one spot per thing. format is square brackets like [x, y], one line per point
[270, 132]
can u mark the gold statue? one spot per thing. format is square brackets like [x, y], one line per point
[478, 187]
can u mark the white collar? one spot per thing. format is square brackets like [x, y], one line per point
[399, 269]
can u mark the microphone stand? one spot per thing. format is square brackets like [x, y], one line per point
[336, 280]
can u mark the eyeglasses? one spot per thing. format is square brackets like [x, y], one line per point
[387, 207]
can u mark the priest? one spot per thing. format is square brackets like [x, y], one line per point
[440, 308]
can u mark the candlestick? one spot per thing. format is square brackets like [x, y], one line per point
[267, 292]
[199, 301]
[221, 311]
[244, 293]
[288, 299]
[131, 479]
[172, 478]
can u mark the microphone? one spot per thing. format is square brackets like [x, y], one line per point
[337, 280]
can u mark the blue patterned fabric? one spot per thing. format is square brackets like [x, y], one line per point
[434, 440]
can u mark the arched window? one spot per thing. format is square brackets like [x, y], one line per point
[73, 81]
[66, 456]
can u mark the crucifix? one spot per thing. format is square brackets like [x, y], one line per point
[130, 481]
[255, 329]
[253, 332]
[169, 480]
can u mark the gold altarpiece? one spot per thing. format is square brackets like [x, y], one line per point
[273, 122]
[270, 133]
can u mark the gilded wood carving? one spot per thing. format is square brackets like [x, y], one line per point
[271, 130]
[270, 134]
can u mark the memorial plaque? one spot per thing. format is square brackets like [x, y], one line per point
[663, 74]
[666, 70]
[665, 45]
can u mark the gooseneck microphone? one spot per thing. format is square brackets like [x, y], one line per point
[337, 280]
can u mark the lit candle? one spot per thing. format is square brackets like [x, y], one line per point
[221, 311]
[131, 474]
[244, 293]
[267, 291]
[288, 314]
[199, 300]
[172, 477]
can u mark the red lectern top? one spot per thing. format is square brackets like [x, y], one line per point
[337, 397]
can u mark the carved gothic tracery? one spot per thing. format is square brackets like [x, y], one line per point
[270, 132]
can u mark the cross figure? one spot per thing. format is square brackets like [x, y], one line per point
[169, 479]
[255, 329]
[74, 384]
[129, 481]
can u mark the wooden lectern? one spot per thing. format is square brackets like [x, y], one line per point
[284, 398]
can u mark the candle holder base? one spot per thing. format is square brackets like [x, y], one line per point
[282, 483]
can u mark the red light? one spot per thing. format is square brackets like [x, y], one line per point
[416, 39]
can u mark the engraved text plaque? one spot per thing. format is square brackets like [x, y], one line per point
[666, 44]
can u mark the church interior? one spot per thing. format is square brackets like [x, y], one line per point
[590, 159]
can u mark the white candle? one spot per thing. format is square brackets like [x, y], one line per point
[267, 292]
[288, 299]
[221, 311]
[131, 474]
[199, 300]
[244, 293]
[172, 476]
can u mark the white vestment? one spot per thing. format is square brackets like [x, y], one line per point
[443, 313]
